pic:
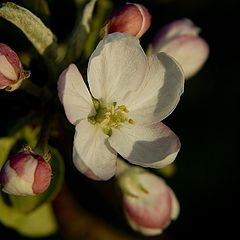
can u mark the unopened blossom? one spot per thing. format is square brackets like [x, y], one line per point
[148, 202]
[131, 18]
[11, 70]
[25, 174]
[180, 39]
[130, 94]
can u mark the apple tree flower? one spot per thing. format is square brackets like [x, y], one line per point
[180, 39]
[130, 94]
[11, 71]
[131, 18]
[25, 174]
[148, 202]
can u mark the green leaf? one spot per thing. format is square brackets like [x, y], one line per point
[40, 7]
[75, 45]
[80, 3]
[28, 133]
[103, 8]
[6, 143]
[39, 223]
[34, 29]
[30, 203]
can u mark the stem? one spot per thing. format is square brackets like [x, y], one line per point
[42, 147]
[76, 223]
[31, 88]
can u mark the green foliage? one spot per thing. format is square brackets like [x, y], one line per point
[32, 26]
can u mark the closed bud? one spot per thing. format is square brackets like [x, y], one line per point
[11, 71]
[149, 204]
[180, 39]
[25, 174]
[132, 18]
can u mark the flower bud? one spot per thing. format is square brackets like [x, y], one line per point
[132, 18]
[11, 70]
[25, 174]
[180, 40]
[149, 204]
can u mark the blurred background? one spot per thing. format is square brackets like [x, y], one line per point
[206, 121]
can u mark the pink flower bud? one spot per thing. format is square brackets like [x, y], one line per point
[11, 70]
[132, 18]
[149, 204]
[180, 40]
[25, 174]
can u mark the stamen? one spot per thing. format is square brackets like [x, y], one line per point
[109, 116]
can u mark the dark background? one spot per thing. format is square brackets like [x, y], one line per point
[206, 120]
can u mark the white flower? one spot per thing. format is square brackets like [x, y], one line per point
[130, 94]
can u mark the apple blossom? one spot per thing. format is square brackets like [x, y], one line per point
[180, 40]
[131, 18]
[130, 95]
[11, 70]
[148, 203]
[25, 174]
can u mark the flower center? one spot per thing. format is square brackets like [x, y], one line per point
[109, 116]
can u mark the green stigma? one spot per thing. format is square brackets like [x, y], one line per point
[109, 116]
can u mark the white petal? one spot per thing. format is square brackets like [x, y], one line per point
[148, 145]
[7, 69]
[74, 95]
[92, 154]
[117, 67]
[160, 92]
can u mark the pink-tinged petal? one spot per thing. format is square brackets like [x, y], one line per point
[92, 154]
[4, 82]
[155, 216]
[147, 201]
[42, 176]
[7, 70]
[175, 206]
[132, 18]
[147, 145]
[24, 165]
[74, 95]
[143, 230]
[190, 51]
[160, 92]
[3, 176]
[12, 59]
[174, 29]
[18, 161]
[25, 174]
[19, 185]
[116, 68]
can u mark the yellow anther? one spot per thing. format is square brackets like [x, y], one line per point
[131, 121]
[109, 116]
